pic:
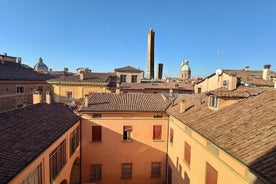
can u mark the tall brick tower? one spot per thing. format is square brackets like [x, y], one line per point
[150, 73]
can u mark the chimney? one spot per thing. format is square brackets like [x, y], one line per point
[37, 98]
[182, 107]
[2, 59]
[86, 100]
[48, 97]
[266, 71]
[232, 82]
[246, 68]
[19, 60]
[171, 92]
[81, 76]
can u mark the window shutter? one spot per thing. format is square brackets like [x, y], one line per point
[211, 174]
[96, 133]
[187, 153]
[157, 131]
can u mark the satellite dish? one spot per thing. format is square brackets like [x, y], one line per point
[218, 71]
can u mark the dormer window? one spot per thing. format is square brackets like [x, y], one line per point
[213, 102]
[225, 83]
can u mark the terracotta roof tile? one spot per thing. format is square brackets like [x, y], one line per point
[246, 129]
[252, 77]
[88, 77]
[127, 102]
[14, 71]
[27, 132]
[157, 85]
[128, 69]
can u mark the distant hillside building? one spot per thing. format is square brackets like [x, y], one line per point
[185, 70]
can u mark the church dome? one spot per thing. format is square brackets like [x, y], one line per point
[40, 66]
[185, 66]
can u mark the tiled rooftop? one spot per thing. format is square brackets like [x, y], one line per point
[126, 102]
[158, 85]
[128, 69]
[252, 77]
[246, 129]
[88, 77]
[27, 132]
[14, 71]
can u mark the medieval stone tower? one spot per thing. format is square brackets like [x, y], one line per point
[150, 72]
[185, 70]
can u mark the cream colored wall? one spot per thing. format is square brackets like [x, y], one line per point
[229, 169]
[128, 76]
[112, 151]
[60, 91]
[44, 159]
[212, 83]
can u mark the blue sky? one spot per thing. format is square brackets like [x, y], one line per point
[105, 34]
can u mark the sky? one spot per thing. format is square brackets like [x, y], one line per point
[107, 34]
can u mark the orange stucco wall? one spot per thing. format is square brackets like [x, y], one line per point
[44, 159]
[10, 99]
[112, 151]
[229, 169]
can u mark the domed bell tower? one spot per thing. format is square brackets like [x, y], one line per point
[185, 70]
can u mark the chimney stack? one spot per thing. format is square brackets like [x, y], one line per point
[182, 107]
[246, 68]
[232, 82]
[86, 100]
[266, 71]
[37, 98]
[82, 76]
[48, 97]
[171, 92]
[19, 60]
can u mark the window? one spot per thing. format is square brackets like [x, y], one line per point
[40, 89]
[35, 176]
[96, 172]
[127, 170]
[20, 89]
[97, 116]
[74, 140]
[134, 79]
[57, 160]
[122, 78]
[211, 174]
[213, 101]
[171, 135]
[225, 83]
[157, 115]
[156, 169]
[157, 132]
[187, 153]
[96, 133]
[69, 94]
[127, 134]
[198, 90]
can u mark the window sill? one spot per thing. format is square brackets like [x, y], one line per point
[96, 141]
[127, 140]
[158, 140]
